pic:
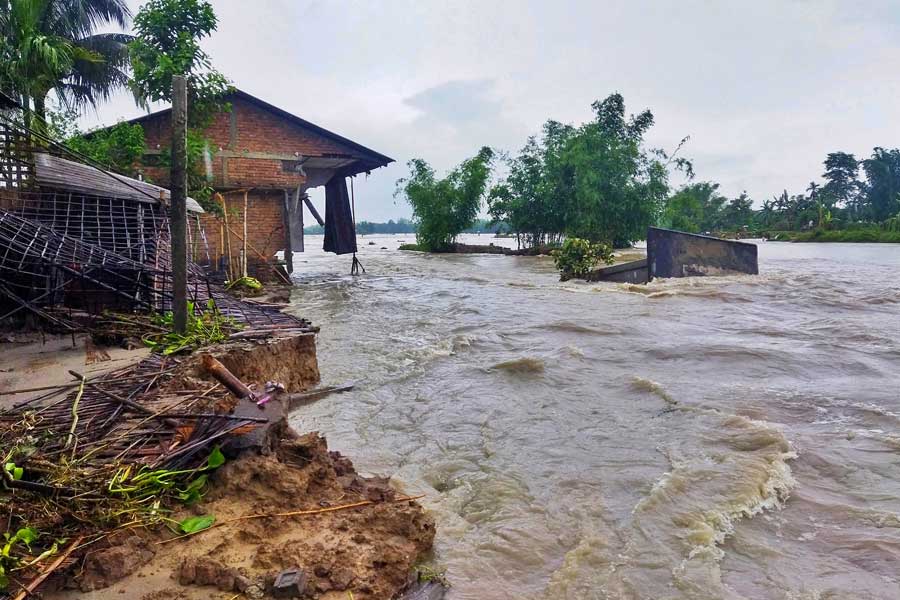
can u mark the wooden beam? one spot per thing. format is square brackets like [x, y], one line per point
[178, 206]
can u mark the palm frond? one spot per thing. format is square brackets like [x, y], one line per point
[79, 18]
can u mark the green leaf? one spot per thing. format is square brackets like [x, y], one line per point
[26, 535]
[46, 553]
[14, 471]
[195, 524]
[216, 459]
[194, 491]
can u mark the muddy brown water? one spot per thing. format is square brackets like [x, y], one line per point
[699, 438]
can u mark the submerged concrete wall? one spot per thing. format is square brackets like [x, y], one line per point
[678, 254]
[629, 272]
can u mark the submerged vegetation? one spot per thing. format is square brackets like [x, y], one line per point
[577, 257]
[597, 181]
[446, 207]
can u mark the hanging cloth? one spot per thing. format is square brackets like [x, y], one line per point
[340, 234]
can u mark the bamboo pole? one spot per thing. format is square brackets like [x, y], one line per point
[221, 374]
[221, 256]
[244, 257]
[258, 253]
[227, 237]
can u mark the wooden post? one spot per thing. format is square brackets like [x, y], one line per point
[178, 205]
[286, 215]
[244, 258]
[230, 269]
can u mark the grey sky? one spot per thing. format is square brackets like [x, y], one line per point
[765, 89]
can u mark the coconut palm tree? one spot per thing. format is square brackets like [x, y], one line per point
[51, 45]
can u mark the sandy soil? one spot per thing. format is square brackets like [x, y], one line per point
[31, 360]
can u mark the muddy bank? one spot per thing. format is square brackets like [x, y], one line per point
[282, 502]
[367, 550]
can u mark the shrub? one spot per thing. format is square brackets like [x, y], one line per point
[576, 257]
[203, 328]
[444, 208]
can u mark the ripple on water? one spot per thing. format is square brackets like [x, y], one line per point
[555, 473]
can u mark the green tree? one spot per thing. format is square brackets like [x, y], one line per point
[444, 208]
[684, 212]
[842, 186]
[525, 200]
[616, 188]
[168, 44]
[119, 148]
[50, 45]
[696, 207]
[738, 213]
[766, 214]
[882, 183]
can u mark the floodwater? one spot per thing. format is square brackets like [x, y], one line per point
[698, 438]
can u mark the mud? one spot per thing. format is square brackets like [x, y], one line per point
[368, 551]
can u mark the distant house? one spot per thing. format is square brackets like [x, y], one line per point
[266, 159]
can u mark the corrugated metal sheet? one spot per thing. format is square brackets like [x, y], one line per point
[52, 171]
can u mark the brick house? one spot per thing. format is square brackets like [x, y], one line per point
[265, 159]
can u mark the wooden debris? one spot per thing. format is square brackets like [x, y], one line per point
[221, 374]
[295, 400]
[37, 581]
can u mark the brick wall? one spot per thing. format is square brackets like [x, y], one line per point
[247, 129]
[265, 227]
[238, 139]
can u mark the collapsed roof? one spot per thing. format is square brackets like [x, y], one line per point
[60, 173]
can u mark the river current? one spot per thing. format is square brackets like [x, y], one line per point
[700, 438]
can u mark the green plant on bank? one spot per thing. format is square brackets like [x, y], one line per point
[154, 482]
[577, 257]
[891, 223]
[203, 328]
[14, 472]
[244, 284]
[8, 558]
[143, 493]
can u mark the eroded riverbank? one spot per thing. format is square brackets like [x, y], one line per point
[696, 438]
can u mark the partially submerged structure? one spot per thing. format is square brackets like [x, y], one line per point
[679, 254]
[262, 160]
[77, 240]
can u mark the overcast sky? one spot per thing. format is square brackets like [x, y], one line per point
[765, 88]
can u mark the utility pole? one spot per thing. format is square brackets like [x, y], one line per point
[178, 203]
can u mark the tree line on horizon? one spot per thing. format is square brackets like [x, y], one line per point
[403, 225]
[854, 194]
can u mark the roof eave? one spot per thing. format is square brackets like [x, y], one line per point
[378, 159]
